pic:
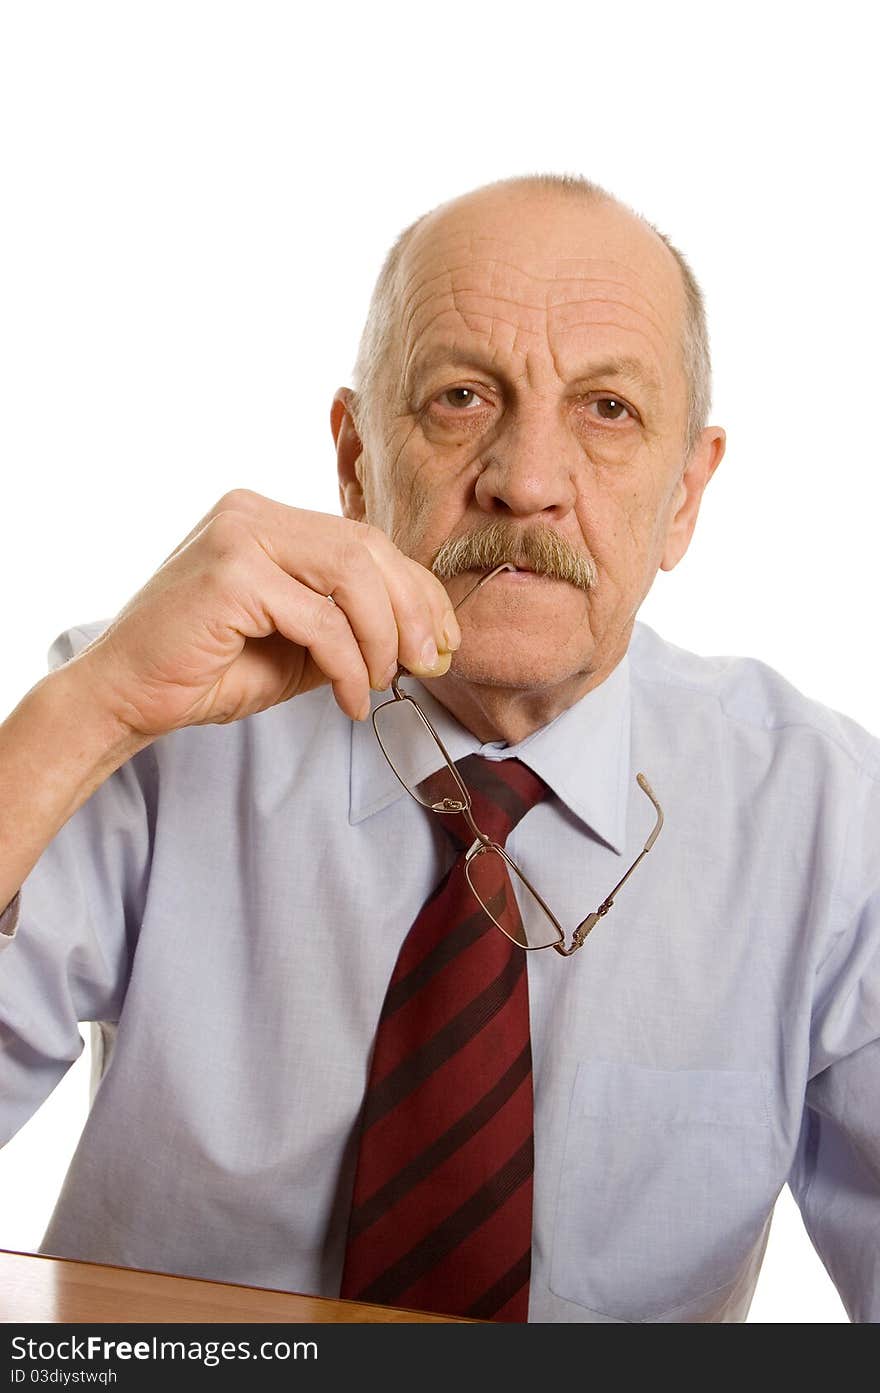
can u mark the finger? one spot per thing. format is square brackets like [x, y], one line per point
[332, 562]
[309, 620]
[361, 592]
[333, 555]
[422, 627]
[398, 610]
[445, 621]
[427, 630]
[324, 553]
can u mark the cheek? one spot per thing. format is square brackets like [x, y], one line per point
[619, 523]
[412, 500]
[390, 494]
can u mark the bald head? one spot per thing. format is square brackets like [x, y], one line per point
[612, 231]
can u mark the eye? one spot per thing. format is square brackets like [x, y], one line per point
[612, 409]
[455, 396]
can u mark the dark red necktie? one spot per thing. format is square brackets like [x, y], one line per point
[441, 1215]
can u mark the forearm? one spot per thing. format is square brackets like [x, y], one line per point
[56, 748]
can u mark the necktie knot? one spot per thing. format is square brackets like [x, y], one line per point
[502, 791]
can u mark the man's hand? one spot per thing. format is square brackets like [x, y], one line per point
[237, 619]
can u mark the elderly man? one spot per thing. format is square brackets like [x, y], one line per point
[400, 1008]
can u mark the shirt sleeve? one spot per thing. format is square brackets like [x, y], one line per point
[69, 934]
[836, 1176]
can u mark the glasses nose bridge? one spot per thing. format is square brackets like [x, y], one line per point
[481, 837]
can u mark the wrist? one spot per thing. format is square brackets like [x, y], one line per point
[94, 736]
[57, 746]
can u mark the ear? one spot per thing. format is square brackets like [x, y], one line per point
[349, 456]
[704, 460]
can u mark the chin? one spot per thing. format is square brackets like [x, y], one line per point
[515, 671]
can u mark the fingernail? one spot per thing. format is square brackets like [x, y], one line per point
[389, 677]
[452, 633]
[429, 655]
[365, 710]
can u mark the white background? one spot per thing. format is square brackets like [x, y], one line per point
[197, 199]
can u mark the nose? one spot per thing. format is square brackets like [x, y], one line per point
[529, 469]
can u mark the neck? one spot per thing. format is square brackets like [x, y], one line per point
[511, 714]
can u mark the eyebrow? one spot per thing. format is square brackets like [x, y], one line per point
[622, 366]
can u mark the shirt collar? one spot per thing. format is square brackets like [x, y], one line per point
[583, 755]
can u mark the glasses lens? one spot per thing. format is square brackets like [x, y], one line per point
[519, 914]
[413, 754]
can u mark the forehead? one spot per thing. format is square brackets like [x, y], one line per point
[539, 278]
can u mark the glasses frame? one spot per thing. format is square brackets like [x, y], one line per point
[482, 842]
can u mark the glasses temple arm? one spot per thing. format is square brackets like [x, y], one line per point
[592, 920]
[506, 566]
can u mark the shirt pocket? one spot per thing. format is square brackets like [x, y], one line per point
[665, 1188]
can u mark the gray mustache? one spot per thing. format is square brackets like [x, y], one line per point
[539, 548]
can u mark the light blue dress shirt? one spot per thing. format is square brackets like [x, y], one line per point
[231, 902]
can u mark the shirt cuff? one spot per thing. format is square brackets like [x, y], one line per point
[9, 921]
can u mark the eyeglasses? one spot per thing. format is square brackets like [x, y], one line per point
[410, 744]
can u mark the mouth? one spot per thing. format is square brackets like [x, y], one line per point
[524, 570]
[518, 576]
[511, 568]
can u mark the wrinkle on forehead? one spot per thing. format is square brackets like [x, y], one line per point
[560, 313]
[577, 272]
[563, 328]
[560, 294]
[485, 283]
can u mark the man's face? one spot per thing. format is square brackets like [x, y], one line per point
[537, 380]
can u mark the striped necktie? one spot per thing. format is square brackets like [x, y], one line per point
[441, 1215]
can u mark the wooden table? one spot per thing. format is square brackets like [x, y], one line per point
[61, 1291]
